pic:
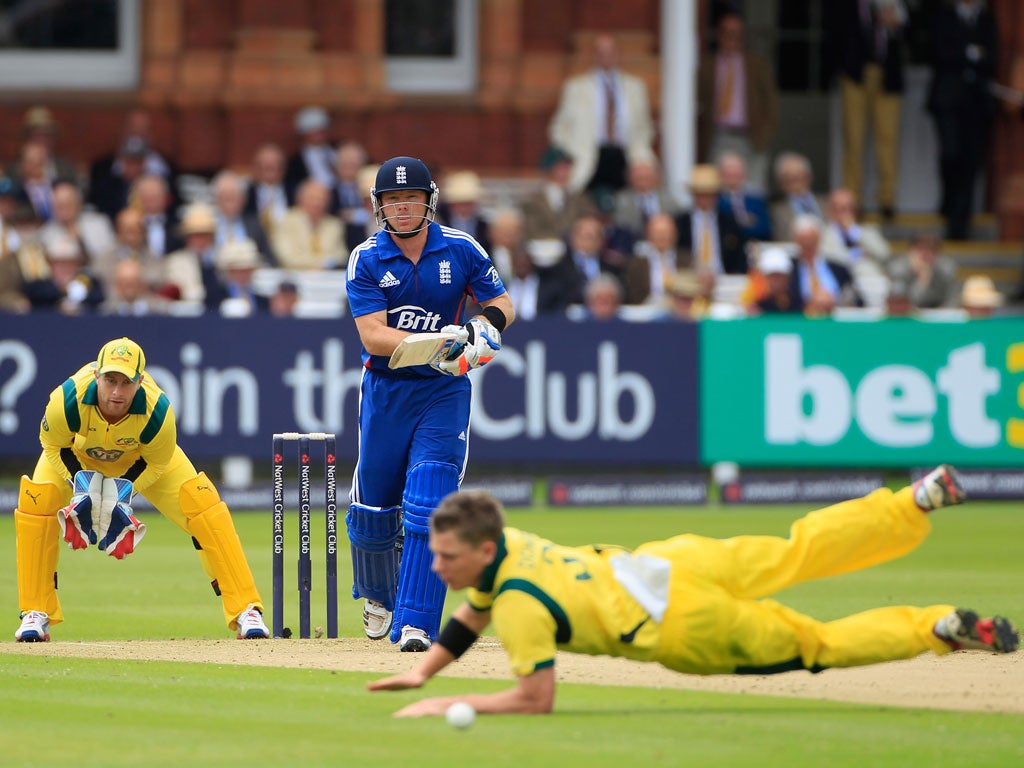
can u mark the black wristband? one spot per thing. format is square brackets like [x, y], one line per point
[456, 637]
[495, 317]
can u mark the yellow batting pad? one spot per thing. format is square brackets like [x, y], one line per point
[43, 499]
[209, 521]
[37, 533]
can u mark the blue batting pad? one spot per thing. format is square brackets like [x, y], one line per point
[373, 532]
[420, 591]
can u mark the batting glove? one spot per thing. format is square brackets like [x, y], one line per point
[482, 344]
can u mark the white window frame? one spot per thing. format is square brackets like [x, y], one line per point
[433, 74]
[61, 69]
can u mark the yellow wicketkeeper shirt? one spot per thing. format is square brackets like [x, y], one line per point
[139, 446]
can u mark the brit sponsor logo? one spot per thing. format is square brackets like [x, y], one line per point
[412, 318]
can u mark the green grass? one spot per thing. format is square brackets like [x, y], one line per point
[58, 711]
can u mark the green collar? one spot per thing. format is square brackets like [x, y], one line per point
[491, 571]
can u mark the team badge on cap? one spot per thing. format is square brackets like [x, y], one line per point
[121, 356]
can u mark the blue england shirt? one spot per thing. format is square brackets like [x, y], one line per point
[420, 298]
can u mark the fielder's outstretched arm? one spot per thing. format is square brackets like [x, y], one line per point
[533, 694]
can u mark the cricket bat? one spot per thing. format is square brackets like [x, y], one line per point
[423, 349]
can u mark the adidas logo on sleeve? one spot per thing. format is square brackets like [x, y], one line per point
[389, 280]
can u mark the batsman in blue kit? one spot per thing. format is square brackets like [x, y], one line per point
[413, 276]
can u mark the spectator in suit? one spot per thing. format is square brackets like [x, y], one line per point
[130, 245]
[870, 45]
[266, 196]
[356, 232]
[69, 287]
[192, 270]
[646, 196]
[749, 208]
[794, 178]
[861, 247]
[964, 60]
[821, 284]
[284, 300]
[928, 274]
[112, 179]
[237, 262]
[505, 233]
[233, 222]
[347, 194]
[737, 102]
[33, 182]
[316, 157]
[129, 295]
[309, 237]
[151, 195]
[567, 275]
[524, 286]
[12, 298]
[549, 212]
[460, 206]
[604, 121]
[656, 261]
[91, 230]
[713, 239]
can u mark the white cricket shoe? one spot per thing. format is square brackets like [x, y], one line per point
[376, 619]
[414, 640]
[35, 628]
[250, 624]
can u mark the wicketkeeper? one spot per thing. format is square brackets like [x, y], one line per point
[109, 432]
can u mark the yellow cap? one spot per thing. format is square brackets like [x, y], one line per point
[122, 356]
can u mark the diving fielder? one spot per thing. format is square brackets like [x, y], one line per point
[413, 276]
[109, 432]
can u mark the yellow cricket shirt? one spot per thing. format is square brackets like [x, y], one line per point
[544, 597]
[138, 447]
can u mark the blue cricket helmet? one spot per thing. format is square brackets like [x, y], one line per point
[404, 173]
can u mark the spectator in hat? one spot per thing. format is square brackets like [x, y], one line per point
[237, 262]
[192, 270]
[69, 288]
[684, 298]
[548, 212]
[713, 239]
[41, 127]
[979, 297]
[316, 156]
[775, 266]
[460, 206]
[111, 181]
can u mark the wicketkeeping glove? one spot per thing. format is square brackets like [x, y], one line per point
[76, 518]
[120, 531]
[482, 344]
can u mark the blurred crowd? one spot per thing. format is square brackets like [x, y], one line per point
[598, 236]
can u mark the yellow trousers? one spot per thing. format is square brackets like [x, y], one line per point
[39, 542]
[865, 102]
[718, 620]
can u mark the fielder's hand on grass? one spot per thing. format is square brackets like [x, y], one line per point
[400, 682]
[425, 708]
